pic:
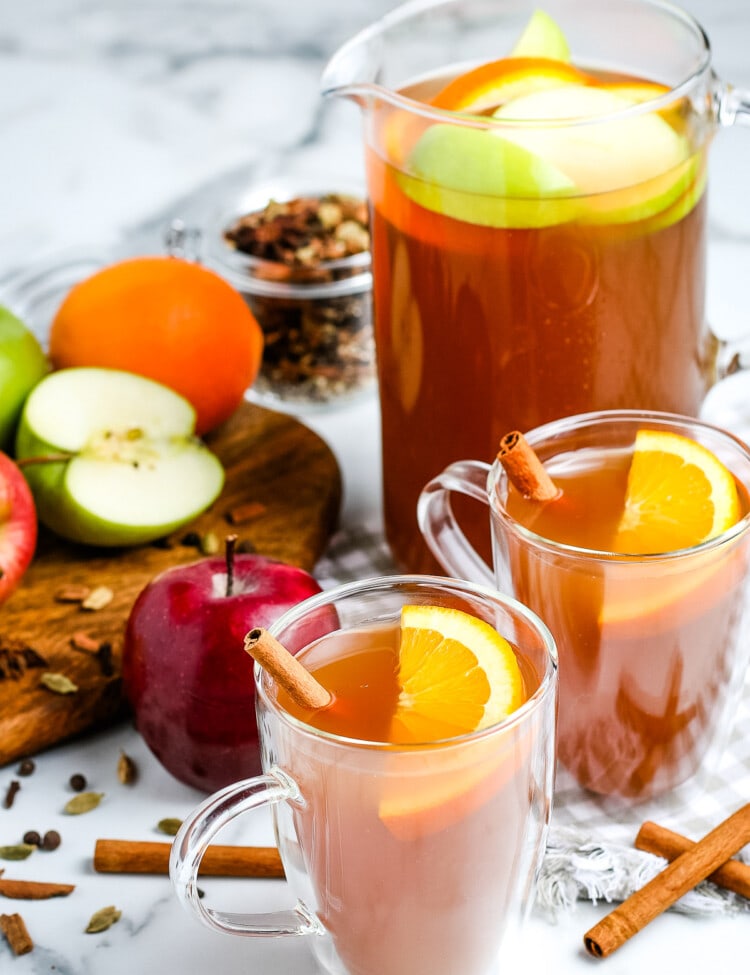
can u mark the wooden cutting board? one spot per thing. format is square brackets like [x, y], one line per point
[274, 464]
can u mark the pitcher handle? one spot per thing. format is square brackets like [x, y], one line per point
[732, 105]
[438, 524]
[199, 830]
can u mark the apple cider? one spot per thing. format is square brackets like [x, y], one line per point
[648, 645]
[420, 855]
[496, 314]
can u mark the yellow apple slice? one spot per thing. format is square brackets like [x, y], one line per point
[542, 37]
[629, 167]
[475, 176]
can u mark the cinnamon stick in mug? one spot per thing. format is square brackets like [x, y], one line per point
[524, 469]
[680, 876]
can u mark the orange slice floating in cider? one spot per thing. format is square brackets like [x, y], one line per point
[457, 675]
[497, 82]
[678, 495]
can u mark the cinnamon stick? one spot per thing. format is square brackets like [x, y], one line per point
[524, 469]
[133, 856]
[652, 838]
[16, 933]
[286, 670]
[33, 890]
[677, 878]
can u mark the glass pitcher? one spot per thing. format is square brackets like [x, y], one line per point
[530, 263]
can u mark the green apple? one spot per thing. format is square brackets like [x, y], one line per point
[476, 176]
[542, 37]
[114, 460]
[22, 365]
[628, 167]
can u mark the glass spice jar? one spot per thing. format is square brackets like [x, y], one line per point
[301, 260]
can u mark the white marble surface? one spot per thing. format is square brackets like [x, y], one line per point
[109, 110]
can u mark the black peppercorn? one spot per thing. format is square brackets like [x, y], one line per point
[26, 767]
[32, 838]
[78, 782]
[51, 840]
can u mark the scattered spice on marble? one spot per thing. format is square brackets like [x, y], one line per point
[97, 599]
[16, 851]
[77, 782]
[103, 919]
[27, 767]
[12, 791]
[127, 770]
[82, 803]
[58, 683]
[33, 890]
[51, 840]
[16, 933]
[170, 826]
[316, 346]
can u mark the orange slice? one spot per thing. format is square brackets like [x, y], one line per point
[456, 674]
[678, 495]
[496, 82]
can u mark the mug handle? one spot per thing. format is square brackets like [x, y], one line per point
[438, 524]
[196, 835]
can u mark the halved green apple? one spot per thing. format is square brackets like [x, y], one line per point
[542, 37]
[111, 457]
[628, 166]
[473, 175]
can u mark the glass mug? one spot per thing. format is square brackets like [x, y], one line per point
[653, 649]
[495, 311]
[405, 860]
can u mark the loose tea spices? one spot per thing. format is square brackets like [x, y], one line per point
[317, 345]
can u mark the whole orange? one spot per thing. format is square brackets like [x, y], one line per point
[170, 320]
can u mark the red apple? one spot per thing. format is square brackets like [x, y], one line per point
[17, 526]
[185, 672]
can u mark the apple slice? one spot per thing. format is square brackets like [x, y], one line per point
[497, 82]
[542, 37]
[472, 175]
[629, 167]
[122, 464]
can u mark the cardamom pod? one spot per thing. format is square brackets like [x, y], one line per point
[58, 683]
[127, 770]
[170, 826]
[82, 803]
[103, 919]
[18, 852]
[98, 598]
